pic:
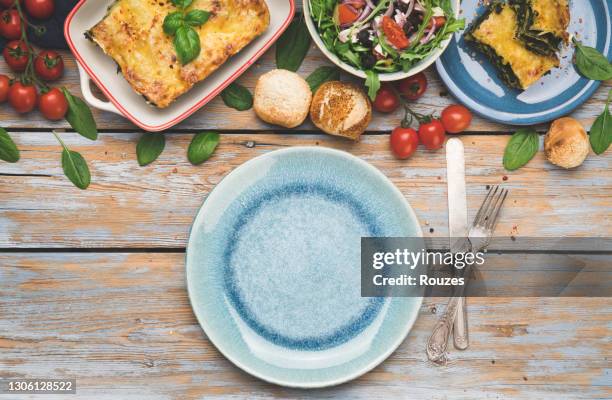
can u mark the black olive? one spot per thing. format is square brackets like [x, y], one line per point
[364, 38]
[413, 23]
[368, 60]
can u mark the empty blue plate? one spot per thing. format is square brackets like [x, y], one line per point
[273, 267]
[473, 80]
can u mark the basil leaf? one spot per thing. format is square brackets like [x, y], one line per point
[75, 168]
[601, 131]
[8, 150]
[292, 46]
[521, 148]
[202, 147]
[322, 75]
[182, 3]
[197, 17]
[149, 147]
[237, 96]
[79, 116]
[186, 44]
[372, 83]
[591, 63]
[172, 22]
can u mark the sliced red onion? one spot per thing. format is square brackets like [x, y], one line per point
[418, 6]
[389, 11]
[364, 14]
[410, 8]
[355, 3]
[370, 4]
[429, 35]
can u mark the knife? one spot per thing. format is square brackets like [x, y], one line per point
[458, 225]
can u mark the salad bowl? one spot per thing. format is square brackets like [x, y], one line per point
[383, 76]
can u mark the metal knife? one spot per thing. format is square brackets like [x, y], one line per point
[458, 225]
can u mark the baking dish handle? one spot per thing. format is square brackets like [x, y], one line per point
[89, 96]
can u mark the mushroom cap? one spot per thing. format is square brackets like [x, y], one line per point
[566, 144]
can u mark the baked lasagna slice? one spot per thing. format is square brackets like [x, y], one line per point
[542, 24]
[494, 33]
[132, 34]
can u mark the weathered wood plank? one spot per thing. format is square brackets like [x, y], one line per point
[129, 206]
[217, 116]
[121, 324]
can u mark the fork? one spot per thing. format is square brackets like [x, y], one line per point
[478, 239]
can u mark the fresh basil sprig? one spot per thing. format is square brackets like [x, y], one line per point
[180, 24]
[237, 96]
[74, 166]
[601, 131]
[591, 63]
[521, 148]
[292, 46]
[79, 116]
[321, 75]
[8, 150]
[372, 83]
[202, 147]
[149, 147]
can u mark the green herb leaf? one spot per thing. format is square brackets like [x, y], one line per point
[8, 150]
[149, 147]
[79, 116]
[372, 83]
[292, 46]
[237, 96]
[591, 63]
[172, 22]
[601, 131]
[521, 148]
[202, 147]
[186, 44]
[75, 168]
[321, 75]
[182, 3]
[197, 17]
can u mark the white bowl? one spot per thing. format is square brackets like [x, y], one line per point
[385, 77]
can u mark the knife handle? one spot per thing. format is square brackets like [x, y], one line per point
[460, 329]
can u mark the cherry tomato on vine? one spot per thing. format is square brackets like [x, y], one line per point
[40, 9]
[456, 118]
[394, 33]
[22, 97]
[386, 100]
[16, 55]
[53, 104]
[404, 142]
[414, 86]
[5, 86]
[49, 65]
[432, 134]
[8, 3]
[10, 24]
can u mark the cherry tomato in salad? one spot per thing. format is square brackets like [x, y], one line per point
[16, 55]
[53, 104]
[5, 86]
[40, 9]
[438, 22]
[394, 33]
[10, 24]
[22, 97]
[345, 14]
[386, 100]
[404, 142]
[432, 134]
[413, 87]
[49, 65]
[456, 118]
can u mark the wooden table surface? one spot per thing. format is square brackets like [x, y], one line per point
[92, 282]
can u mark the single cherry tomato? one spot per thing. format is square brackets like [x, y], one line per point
[345, 14]
[5, 86]
[386, 100]
[456, 118]
[8, 3]
[22, 97]
[16, 55]
[49, 65]
[394, 33]
[432, 134]
[413, 87]
[40, 9]
[53, 104]
[404, 142]
[10, 24]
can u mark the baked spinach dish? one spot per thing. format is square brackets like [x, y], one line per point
[522, 38]
[383, 36]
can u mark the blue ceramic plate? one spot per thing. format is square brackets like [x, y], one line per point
[473, 80]
[273, 267]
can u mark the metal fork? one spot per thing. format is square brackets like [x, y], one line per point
[478, 239]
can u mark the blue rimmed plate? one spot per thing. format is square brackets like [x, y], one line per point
[473, 80]
[273, 267]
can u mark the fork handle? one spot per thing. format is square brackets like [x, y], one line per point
[460, 328]
[438, 341]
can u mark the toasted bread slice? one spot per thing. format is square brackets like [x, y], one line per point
[282, 98]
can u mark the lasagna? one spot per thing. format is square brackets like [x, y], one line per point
[542, 24]
[132, 34]
[495, 33]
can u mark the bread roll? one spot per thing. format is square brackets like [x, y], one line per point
[566, 144]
